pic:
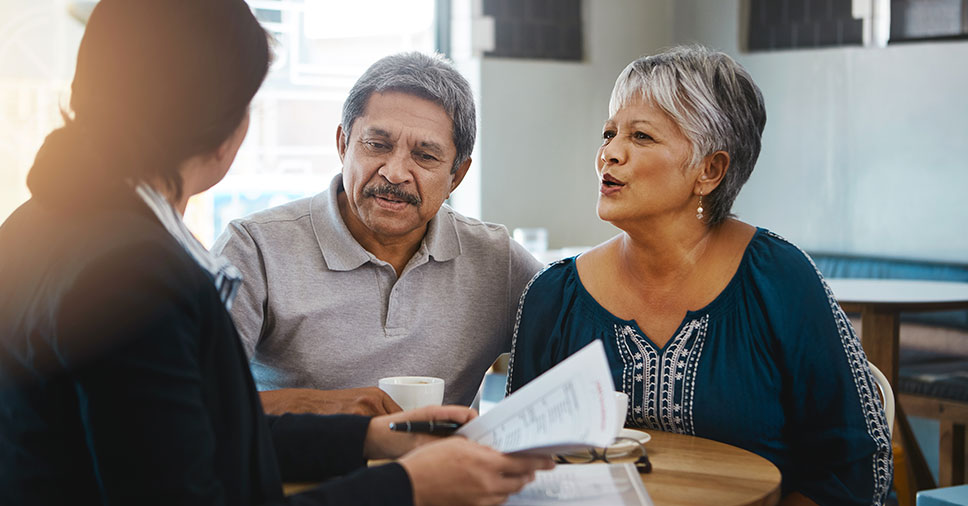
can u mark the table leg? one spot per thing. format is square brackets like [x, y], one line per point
[917, 467]
[951, 454]
[880, 337]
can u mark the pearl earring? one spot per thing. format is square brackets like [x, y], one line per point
[699, 209]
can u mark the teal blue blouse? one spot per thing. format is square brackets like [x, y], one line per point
[771, 365]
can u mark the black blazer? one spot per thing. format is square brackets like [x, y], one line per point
[123, 381]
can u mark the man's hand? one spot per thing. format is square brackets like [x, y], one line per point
[368, 401]
[455, 471]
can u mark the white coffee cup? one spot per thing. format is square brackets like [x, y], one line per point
[621, 409]
[412, 392]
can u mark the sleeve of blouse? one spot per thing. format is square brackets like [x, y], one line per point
[311, 448]
[534, 331]
[840, 436]
[129, 327]
[522, 266]
[369, 486]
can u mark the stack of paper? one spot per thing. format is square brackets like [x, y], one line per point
[584, 485]
[569, 407]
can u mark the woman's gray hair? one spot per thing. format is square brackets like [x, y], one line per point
[713, 100]
[424, 76]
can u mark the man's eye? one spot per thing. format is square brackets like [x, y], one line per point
[425, 158]
[376, 145]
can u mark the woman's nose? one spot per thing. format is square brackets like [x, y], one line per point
[612, 154]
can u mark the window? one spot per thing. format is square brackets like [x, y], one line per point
[536, 29]
[290, 152]
[322, 48]
[928, 19]
[789, 24]
[38, 46]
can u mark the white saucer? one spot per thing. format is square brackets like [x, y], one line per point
[636, 434]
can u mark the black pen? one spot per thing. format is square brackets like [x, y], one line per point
[441, 428]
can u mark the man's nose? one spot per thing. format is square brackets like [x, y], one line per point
[396, 167]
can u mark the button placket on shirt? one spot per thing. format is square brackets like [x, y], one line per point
[398, 303]
[395, 324]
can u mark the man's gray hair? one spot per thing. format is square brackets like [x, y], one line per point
[424, 76]
[713, 100]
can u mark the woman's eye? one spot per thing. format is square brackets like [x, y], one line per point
[642, 136]
[608, 134]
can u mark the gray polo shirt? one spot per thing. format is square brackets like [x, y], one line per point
[316, 310]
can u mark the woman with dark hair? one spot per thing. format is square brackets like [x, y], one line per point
[122, 378]
[712, 327]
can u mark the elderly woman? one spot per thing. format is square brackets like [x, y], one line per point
[122, 377]
[713, 327]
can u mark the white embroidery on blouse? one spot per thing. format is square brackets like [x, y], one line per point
[662, 387]
[517, 322]
[873, 409]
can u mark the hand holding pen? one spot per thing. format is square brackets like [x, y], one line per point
[433, 427]
[389, 436]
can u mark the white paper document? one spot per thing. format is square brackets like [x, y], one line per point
[584, 485]
[571, 406]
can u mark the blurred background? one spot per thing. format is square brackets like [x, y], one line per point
[864, 151]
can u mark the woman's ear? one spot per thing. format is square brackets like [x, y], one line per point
[714, 169]
[226, 151]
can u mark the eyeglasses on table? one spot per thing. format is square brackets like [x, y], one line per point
[622, 450]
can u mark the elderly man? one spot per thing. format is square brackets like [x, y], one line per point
[377, 276]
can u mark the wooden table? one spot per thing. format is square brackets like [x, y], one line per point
[880, 302]
[688, 470]
[692, 471]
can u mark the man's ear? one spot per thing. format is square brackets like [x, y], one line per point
[459, 175]
[714, 169]
[340, 142]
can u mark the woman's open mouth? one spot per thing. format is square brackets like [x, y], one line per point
[610, 185]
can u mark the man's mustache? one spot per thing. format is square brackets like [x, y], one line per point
[391, 190]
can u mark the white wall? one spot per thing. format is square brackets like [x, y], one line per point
[862, 151]
[864, 148]
[541, 123]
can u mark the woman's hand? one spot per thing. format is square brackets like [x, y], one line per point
[455, 471]
[382, 443]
